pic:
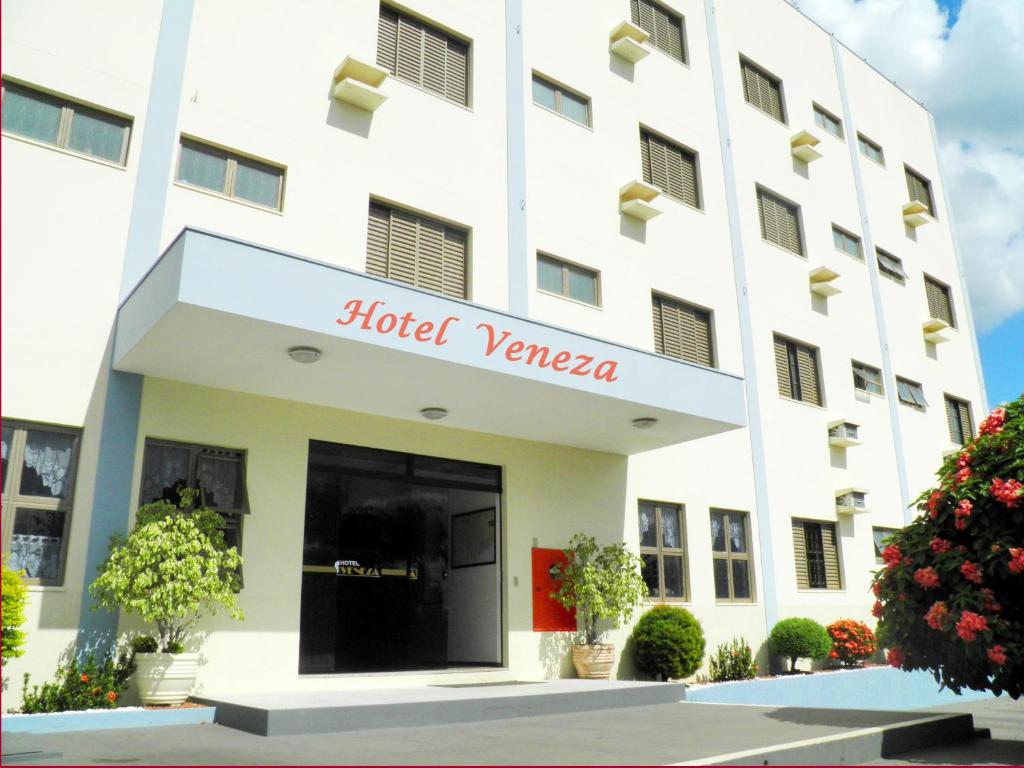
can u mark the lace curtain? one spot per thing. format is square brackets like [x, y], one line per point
[49, 456]
[38, 556]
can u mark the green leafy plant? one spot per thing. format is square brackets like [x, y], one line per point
[80, 686]
[669, 643]
[799, 639]
[601, 583]
[145, 644]
[852, 642]
[14, 598]
[951, 594]
[172, 570]
[732, 661]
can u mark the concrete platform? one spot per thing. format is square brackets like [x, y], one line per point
[279, 714]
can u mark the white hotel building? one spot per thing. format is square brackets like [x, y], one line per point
[470, 208]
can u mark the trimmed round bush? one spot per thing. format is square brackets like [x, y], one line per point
[669, 643]
[852, 642]
[800, 639]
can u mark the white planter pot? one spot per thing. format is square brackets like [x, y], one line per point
[165, 678]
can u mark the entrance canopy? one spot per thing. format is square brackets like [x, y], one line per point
[223, 313]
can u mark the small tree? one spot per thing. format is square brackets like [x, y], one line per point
[600, 583]
[852, 642]
[14, 598]
[951, 594]
[799, 639]
[173, 569]
[669, 643]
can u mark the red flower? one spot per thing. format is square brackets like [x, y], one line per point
[969, 625]
[963, 460]
[926, 577]
[111, 696]
[933, 504]
[1008, 492]
[940, 545]
[993, 423]
[964, 508]
[876, 610]
[85, 678]
[960, 523]
[971, 572]
[876, 588]
[990, 605]
[936, 614]
[895, 657]
[1016, 560]
[996, 655]
[963, 475]
[833, 655]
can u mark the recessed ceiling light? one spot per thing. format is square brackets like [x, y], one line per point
[644, 423]
[433, 413]
[305, 354]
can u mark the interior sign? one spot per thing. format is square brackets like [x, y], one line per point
[353, 568]
[494, 341]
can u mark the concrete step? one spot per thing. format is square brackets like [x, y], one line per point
[291, 713]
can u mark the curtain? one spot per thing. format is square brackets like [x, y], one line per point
[38, 556]
[49, 456]
[96, 136]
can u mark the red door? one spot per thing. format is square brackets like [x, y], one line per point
[548, 615]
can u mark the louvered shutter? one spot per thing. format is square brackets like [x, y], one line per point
[669, 167]
[430, 255]
[402, 246]
[780, 223]
[645, 157]
[387, 39]
[659, 325]
[965, 420]
[800, 555]
[656, 162]
[750, 90]
[454, 280]
[456, 83]
[807, 365]
[831, 552]
[377, 241]
[682, 331]
[771, 97]
[918, 189]
[762, 91]
[782, 368]
[435, 54]
[409, 62]
[789, 228]
[938, 300]
[702, 338]
[953, 422]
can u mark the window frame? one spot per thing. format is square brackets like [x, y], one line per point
[859, 369]
[875, 542]
[232, 157]
[965, 435]
[820, 526]
[68, 108]
[864, 143]
[899, 277]
[793, 363]
[660, 551]
[712, 342]
[911, 386]
[765, 192]
[820, 110]
[652, 40]
[559, 90]
[745, 61]
[847, 235]
[925, 182]
[646, 133]
[13, 499]
[566, 267]
[728, 555]
[947, 292]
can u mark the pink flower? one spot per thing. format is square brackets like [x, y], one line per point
[969, 625]
[971, 572]
[1007, 491]
[936, 614]
[993, 423]
[940, 545]
[1016, 560]
[876, 610]
[960, 523]
[896, 657]
[892, 556]
[996, 655]
[963, 460]
[964, 508]
[926, 577]
[962, 475]
[933, 504]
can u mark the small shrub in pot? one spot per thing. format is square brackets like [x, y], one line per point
[669, 643]
[797, 638]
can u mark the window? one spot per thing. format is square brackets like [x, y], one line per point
[39, 466]
[682, 330]
[958, 418]
[796, 365]
[920, 189]
[670, 168]
[730, 554]
[890, 266]
[565, 279]
[416, 250]
[870, 150]
[816, 554]
[664, 27]
[230, 174]
[780, 222]
[218, 474]
[940, 306]
[65, 124]
[559, 99]
[420, 53]
[762, 90]
[910, 393]
[825, 119]
[847, 243]
[879, 535]
[867, 379]
[662, 550]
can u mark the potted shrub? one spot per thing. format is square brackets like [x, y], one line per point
[173, 569]
[799, 639]
[669, 643]
[603, 584]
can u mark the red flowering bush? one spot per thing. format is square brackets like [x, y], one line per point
[951, 594]
[852, 642]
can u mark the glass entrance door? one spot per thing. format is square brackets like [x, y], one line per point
[376, 563]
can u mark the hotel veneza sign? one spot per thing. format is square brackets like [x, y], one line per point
[374, 317]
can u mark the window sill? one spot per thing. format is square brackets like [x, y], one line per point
[222, 196]
[45, 588]
[850, 255]
[802, 402]
[766, 114]
[677, 201]
[429, 92]
[913, 406]
[64, 151]
[722, 601]
[556, 113]
[871, 159]
[821, 590]
[784, 249]
[570, 299]
[863, 392]
[685, 64]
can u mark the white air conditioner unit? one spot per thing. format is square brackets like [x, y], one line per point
[627, 42]
[851, 501]
[915, 214]
[635, 199]
[803, 144]
[933, 328]
[357, 82]
[823, 281]
[843, 434]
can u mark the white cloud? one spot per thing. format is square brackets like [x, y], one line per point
[972, 79]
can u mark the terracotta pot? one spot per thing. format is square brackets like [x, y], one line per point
[165, 678]
[593, 662]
